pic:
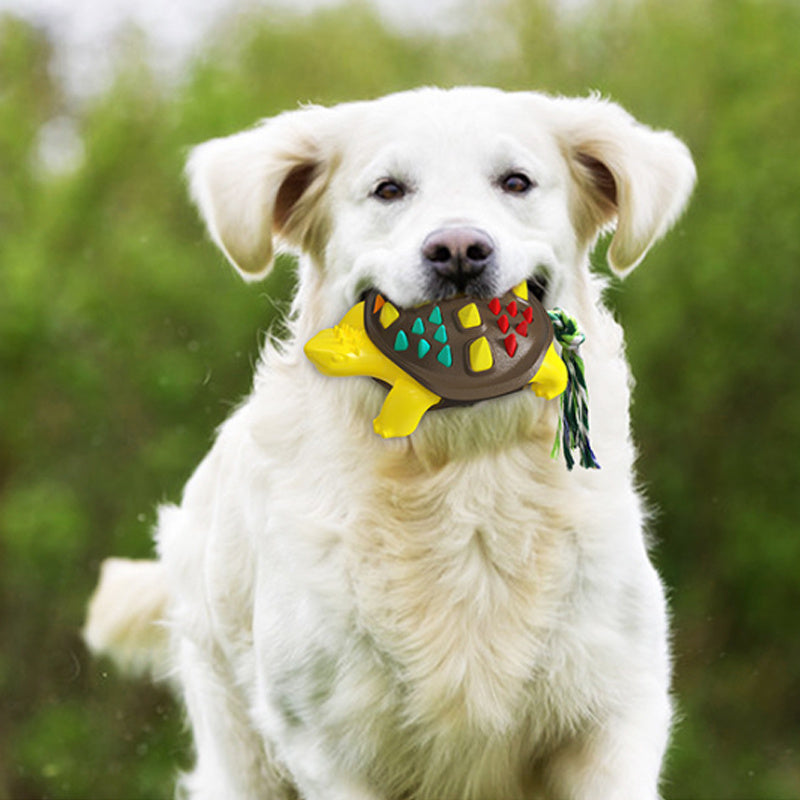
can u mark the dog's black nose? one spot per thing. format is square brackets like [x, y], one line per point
[458, 255]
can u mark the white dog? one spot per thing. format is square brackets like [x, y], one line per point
[452, 614]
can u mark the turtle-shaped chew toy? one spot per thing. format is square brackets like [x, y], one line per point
[453, 352]
[458, 352]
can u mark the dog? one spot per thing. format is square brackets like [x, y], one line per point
[451, 614]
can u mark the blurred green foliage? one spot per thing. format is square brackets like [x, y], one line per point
[124, 341]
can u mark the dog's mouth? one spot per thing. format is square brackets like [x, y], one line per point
[538, 286]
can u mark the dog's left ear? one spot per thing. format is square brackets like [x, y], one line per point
[626, 173]
[263, 183]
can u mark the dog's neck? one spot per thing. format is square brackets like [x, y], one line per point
[342, 410]
[486, 429]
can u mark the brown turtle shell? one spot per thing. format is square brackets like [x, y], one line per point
[464, 349]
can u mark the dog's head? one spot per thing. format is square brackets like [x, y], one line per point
[431, 193]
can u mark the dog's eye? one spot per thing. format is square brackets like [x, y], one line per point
[389, 190]
[516, 183]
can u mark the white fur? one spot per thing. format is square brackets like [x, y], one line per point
[127, 613]
[452, 615]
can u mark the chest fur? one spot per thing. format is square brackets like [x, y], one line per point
[461, 577]
[420, 614]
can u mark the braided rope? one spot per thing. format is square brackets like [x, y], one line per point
[573, 424]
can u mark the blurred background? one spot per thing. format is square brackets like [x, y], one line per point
[125, 340]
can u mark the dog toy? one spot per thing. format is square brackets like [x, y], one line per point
[459, 352]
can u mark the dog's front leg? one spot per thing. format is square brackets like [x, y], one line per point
[619, 760]
[334, 788]
[232, 762]
[317, 776]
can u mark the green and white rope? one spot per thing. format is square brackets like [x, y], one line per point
[573, 425]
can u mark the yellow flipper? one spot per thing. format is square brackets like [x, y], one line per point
[403, 408]
[550, 379]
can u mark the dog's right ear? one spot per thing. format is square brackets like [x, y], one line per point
[262, 183]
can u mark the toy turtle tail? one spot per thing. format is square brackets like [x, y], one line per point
[573, 427]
